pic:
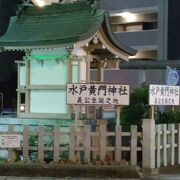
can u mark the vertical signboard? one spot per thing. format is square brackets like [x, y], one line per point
[164, 95]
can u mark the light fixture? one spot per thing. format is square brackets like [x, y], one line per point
[127, 15]
[39, 3]
[42, 3]
[22, 108]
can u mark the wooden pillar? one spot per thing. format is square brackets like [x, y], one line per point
[100, 72]
[18, 87]
[27, 98]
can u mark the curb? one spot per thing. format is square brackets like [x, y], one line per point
[39, 170]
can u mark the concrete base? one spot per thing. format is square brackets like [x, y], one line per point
[150, 172]
[170, 170]
[53, 170]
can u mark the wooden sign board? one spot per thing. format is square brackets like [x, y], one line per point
[164, 95]
[98, 94]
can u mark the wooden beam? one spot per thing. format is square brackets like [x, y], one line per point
[149, 64]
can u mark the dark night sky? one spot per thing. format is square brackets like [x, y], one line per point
[8, 69]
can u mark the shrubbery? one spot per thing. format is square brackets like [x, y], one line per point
[139, 109]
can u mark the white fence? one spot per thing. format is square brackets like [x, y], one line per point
[156, 146]
[81, 143]
[167, 144]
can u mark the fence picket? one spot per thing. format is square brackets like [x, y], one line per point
[41, 143]
[172, 143]
[72, 143]
[87, 143]
[10, 151]
[118, 144]
[25, 143]
[102, 142]
[133, 145]
[56, 143]
[164, 144]
[158, 145]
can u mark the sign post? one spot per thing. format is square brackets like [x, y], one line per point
[118, 116]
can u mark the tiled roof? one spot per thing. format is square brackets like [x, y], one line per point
[52, 25]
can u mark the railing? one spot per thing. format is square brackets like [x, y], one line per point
[156, 146]
[78, 144]
[167, 144]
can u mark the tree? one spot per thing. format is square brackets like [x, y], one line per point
[138, 108]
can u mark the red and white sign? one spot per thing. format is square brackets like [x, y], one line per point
[10, 141]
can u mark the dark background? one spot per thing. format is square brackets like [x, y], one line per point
[174, 29]
[8, 68]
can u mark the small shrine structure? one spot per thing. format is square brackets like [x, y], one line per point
[62, 42]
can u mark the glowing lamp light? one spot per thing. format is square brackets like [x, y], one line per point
[39, 3]
[127, 15]
[22, 108]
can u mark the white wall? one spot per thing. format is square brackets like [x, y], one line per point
[48, 72]
[48, 101]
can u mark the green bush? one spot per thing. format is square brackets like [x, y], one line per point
[169, 117]
[138, 108]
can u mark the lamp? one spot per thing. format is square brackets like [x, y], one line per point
[39, 3]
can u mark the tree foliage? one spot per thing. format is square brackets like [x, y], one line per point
[138, 108]
[169, 117]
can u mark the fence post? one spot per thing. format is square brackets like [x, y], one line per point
[118, 143]
[25, 143]
[102, 142]
[133, 145]
[41, 144]
[158, 145]
[87, 144]
[148, 144]
[56, 143]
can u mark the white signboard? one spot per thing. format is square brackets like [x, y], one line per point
[93, 94]
[9, 141]
[163, 95]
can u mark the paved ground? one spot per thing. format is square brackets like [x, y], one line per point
[48, 178]
[160, 177]
[167, 177]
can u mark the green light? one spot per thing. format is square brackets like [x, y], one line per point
[49, 54]
[51, 57]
